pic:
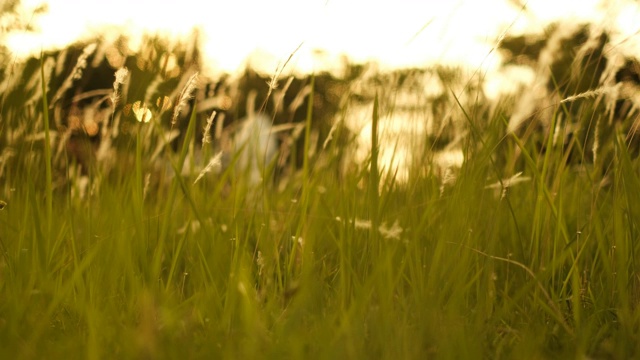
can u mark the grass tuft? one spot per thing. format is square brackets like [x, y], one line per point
[525, 248]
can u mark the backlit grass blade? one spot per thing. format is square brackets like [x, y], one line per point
[374, 173]
[47, 159]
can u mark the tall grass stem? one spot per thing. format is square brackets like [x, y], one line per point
[47, 158]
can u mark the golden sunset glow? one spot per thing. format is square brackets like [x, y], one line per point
[141, 111]
[394, 34]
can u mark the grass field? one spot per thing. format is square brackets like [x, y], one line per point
[330, 263]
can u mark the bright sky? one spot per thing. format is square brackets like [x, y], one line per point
[394, 33]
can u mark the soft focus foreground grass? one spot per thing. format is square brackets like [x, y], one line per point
[325, 266]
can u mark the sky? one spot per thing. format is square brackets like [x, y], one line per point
[393, 33]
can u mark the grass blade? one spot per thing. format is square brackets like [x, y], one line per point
[47, 159]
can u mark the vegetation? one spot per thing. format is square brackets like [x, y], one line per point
[527, 250]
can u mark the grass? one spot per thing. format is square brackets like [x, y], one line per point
[331, 263]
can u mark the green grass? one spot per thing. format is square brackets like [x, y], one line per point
[312, 269]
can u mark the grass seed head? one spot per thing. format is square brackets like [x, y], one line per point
[121, 78]
[392, 232]
[206, 136]
[214, 163]
[185, 96]
[82, 61]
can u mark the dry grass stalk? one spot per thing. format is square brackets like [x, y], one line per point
[76, 73]
[184, 97]
[214, 163]
[206, 137]
[121, 78]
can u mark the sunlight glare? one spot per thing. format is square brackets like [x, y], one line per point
[402, 33]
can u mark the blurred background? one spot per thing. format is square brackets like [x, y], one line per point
[393, 34]
[424, 59]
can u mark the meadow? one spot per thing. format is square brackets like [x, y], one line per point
[527, 250]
